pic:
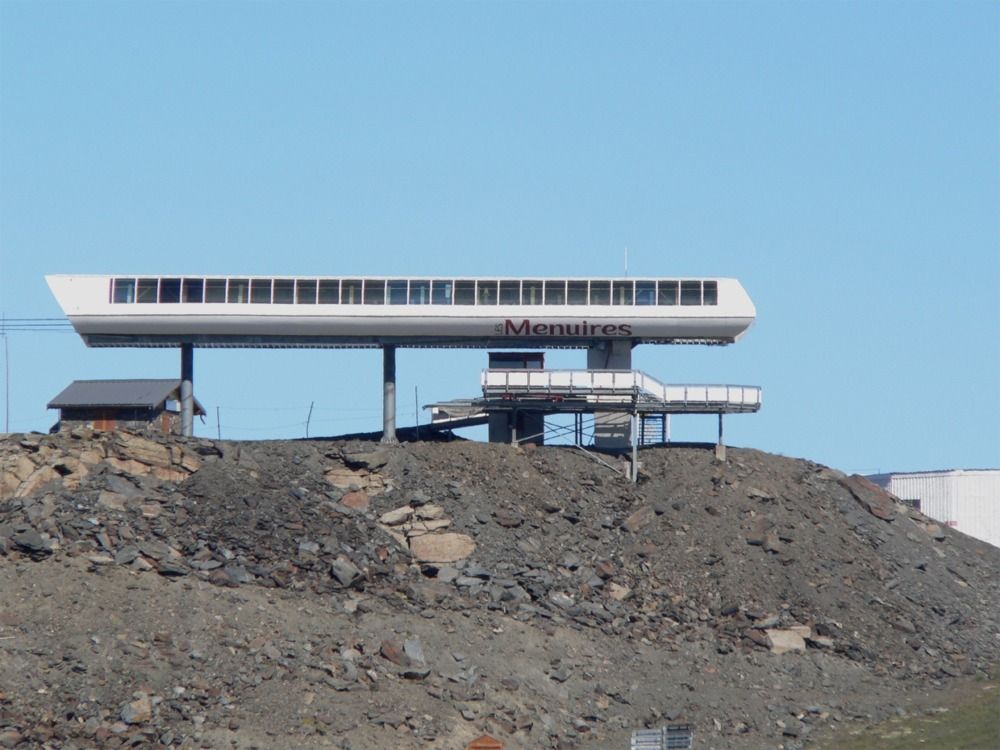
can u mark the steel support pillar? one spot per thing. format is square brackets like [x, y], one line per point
[635, 447]
[388, 394]
[187, 390]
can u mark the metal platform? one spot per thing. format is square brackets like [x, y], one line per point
[574, 391]
[629, 407]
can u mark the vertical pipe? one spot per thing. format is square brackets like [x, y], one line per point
[635, 448]
[416, 411]
[388, 393]
[720, 447]
[187, 390]
[6, 385]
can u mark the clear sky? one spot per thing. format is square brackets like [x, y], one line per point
[841, 159]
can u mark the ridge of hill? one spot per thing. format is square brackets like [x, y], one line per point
[171, 592]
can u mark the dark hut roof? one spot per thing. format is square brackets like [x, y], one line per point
[145, 394]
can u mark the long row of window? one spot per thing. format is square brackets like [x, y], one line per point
[414, 291]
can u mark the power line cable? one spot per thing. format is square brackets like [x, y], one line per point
[34, 325]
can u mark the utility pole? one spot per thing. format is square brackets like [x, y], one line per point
[6, 383]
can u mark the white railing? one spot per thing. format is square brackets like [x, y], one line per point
[632, 384]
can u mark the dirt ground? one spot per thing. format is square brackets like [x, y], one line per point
[343, 594]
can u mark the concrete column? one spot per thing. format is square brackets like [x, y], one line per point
[388, 393]
[187, 390]
[720, 446]
[500, 426]
[516, 425]
[610, 355]
[612, 430]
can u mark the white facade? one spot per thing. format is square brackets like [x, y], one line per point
[966, 500]
[274, 311]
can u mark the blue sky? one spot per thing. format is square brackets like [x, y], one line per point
[841, 159]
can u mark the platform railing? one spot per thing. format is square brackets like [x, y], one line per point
[621, 383]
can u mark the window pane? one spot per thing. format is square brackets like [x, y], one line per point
[711, 293]
[555, 292]
[621, 292]
[238, 289]
[576, 292]
[305, 291]
[147, 290]
[329, 292]
[350, 291]
[215, 290]
[531, 292]
[645, 292]
[690, 292]
[397, 292]
[600, 292]
[374, 291]
[260, 291]
[486, 292]
[465, 292]
[284, 291]
[194, 290]
[510, 292]
[441, 292]
[123, 290]
[420, 292]
[170, 290]
[667, 294]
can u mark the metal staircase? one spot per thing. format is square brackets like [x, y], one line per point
[652, 429]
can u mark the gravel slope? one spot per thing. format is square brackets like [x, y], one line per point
[191, 593]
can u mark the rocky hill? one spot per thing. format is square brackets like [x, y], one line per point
[342, 594]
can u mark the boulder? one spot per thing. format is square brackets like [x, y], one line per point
[112, 500]
[344, 571]
[138, 711]
[784, 640]
[142, 450]
[873, 498]
[639, 518]
[42, 476]
[397, 516]
[370, 460]
[442, 548]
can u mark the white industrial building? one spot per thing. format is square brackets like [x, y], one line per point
[967, 500]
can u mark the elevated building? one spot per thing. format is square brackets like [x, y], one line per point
[607, 317]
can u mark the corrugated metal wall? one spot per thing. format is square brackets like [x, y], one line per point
[968, 501]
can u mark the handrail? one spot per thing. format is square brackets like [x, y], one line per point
[632, 383]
